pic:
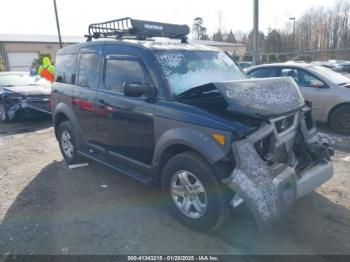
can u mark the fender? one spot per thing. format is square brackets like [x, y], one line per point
[200, 141]
[63, 108]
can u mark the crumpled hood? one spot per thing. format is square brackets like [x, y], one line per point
[261, 97]
[29, 90]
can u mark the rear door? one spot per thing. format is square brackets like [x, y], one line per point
[84, 95]
[126, 124]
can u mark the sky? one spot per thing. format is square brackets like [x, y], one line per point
[37, 16]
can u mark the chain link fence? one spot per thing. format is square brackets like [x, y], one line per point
[301, 55]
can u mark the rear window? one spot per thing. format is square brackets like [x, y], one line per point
[65, 68]
[88, 70]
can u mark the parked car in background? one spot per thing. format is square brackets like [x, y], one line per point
[245, 65]
[329, 65]
[21, 93]
[340, 65]
[328, 91]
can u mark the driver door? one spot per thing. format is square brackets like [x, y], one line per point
[125, 124]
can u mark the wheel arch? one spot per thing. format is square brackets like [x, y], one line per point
[335, 108]
[64, 113]
[179, 140]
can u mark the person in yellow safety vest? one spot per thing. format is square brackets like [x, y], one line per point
[47, 70]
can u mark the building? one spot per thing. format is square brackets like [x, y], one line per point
[19, 51]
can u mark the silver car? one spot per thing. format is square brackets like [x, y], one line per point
[328, 91]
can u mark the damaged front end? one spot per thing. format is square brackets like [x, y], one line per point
[15, 102]
[284, 159]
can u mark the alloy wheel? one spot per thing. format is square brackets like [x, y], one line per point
[67, 146]
[189, 194]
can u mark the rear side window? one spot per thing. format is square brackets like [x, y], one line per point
[65, 68]
[263, 72]
[120, 71]
[88, 70]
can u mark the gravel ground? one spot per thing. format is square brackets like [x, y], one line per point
[45, 208]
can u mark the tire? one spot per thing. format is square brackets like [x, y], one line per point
[3, 113]
[195, 168]
[340, 120]
[66, 140]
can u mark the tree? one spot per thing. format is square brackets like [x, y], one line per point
[199, 31]
[2, 64]
[263, 59]
[282, 58]
[261, 42]
[247, 57]
[231, 38]
[218, 36]
[273, 42]
[302, 57]
[272, 58]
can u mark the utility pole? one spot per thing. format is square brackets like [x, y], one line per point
[293, 18]
[58, 24]
[256, 33]
[220, 20]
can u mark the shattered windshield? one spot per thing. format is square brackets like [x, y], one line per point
[186, 69]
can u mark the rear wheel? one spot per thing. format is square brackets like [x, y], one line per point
[194, 192]
[67, 143]
[340, 120]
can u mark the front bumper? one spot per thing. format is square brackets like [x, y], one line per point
[313, 178]
[37, 104]
[269, 189]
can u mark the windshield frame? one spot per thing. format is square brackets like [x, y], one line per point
[172, 95]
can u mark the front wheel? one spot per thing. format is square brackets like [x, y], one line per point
[194, 192]
[340, 120]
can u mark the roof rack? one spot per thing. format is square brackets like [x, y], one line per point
[127, 28]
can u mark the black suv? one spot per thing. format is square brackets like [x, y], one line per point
[187, 119]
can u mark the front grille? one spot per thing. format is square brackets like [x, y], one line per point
[284, 124]
[265, 147]
[309, 120]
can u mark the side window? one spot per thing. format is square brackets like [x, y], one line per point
[65, 68]
[290, 72]
[119, 71]
[307, 79]
[263, 72]
[88, 69]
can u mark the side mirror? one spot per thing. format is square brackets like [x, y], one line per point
[316, 83]
[137, 90]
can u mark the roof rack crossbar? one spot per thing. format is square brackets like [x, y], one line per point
[139, 29]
